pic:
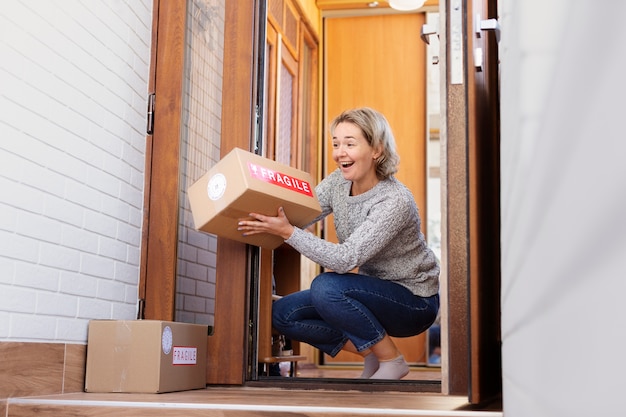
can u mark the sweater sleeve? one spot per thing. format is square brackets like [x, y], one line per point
[323, 197]
[382, 224]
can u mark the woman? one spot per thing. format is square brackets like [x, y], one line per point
[395, 292]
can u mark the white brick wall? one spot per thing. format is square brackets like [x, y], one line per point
[73, 85]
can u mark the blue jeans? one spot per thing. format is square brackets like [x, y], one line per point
[342, 307]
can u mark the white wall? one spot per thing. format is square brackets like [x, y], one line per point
[73, 85]
[563, 65]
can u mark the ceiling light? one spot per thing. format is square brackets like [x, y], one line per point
[406, 5]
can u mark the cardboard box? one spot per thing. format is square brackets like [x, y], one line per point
[242, 183]
[145, 356]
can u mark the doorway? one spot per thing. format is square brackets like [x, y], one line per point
[239, 127]
[385, 68]
[200, 50]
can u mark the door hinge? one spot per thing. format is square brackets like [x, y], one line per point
[150, 114]
[141, 308]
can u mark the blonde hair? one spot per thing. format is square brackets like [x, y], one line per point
[378, 134]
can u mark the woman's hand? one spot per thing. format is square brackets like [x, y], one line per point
[278, 225]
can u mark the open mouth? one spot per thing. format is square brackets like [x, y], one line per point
[346, 164]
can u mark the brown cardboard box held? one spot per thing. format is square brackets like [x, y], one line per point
[242, 183]
[145, 356]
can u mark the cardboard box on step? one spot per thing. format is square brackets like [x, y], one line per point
[145, 356]
[242, 183]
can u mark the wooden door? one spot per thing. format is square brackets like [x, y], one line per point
[157, 287]
[382, 67]
[238, 124]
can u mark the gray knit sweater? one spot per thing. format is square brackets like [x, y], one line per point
[378, 232]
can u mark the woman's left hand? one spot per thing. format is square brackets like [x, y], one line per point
[278, 225]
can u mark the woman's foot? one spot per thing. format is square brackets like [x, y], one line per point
[370, 366]
[392, 369]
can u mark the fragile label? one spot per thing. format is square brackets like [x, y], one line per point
[283, 180]
[182, 355]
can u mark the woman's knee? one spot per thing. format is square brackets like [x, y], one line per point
[324, 284]
[289, 308]
[279, 312]
[328, 291]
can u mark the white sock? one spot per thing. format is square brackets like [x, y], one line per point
[369, 366]
[392, 369]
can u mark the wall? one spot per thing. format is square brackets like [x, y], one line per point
[563, 200]
[73, 85]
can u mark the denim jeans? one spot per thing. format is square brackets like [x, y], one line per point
[342, 307]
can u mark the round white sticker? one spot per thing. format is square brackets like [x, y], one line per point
[216, 186]
[166, 340]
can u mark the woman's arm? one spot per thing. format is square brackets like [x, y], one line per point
[383, 223]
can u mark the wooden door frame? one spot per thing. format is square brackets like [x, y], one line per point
[470, 205]
[484, 208]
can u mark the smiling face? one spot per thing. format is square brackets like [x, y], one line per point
[355, 157]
